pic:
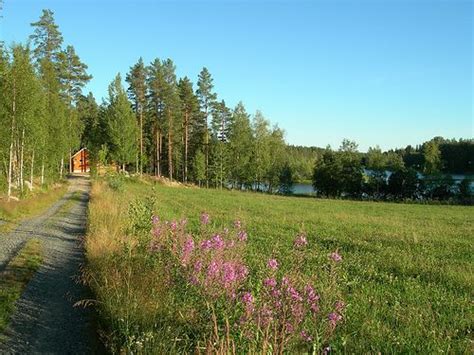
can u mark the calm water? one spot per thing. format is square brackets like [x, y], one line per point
[307, 189]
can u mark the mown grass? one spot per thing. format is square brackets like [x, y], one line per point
[16, 276]
[12, 212]
[407, 269]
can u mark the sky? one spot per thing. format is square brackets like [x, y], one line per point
[380, 72]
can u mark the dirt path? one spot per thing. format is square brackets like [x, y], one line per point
[45, 320]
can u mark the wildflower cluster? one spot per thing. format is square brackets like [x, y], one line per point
[286, 309]
[212, 262]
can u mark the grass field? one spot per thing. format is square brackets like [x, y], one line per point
[407, 270]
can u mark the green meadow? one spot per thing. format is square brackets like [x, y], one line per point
[407, 269]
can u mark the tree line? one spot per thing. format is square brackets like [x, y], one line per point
[391, 175]
[40, 86]
[153, 122]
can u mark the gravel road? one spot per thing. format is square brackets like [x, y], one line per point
[45, 320]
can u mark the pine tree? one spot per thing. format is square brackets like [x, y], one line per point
[189, 106]
[221, 123]
[241, 144]
[137, 91]
[73, 77]
[48, 40]
[206, 99]
[122, 127]
[172, 113]
[156, 82]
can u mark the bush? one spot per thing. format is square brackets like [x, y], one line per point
[116, 182]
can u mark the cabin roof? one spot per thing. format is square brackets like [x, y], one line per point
[76, 153]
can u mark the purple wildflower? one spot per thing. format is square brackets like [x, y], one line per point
[272, 264]
[217, 242]
[198, 266]
[206, 244]
[336, 257]
[212, 269]
[269, 282]
[173, 225]
[155, 219]
[204, 218]
[305, 336]
[300, 241]
[237, 224]
[242, 236]
[334, 318]
[340, 305]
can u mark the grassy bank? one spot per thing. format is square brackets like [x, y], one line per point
[11, 212]
[16, 276]
[407, 270]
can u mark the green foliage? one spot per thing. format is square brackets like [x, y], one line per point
[404, 183]
[199, 167]
[140, 212]
[121, 124]
[116, 182]
[286, 180]
[339, 173]
[432, 156]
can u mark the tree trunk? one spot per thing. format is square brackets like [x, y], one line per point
[170, 148]
[32, 168]
[158, 152]
[141, 141]
[61, 169]
[21, 158]
[42, 171]
[10, 164]
[207, 150]
[186, 138]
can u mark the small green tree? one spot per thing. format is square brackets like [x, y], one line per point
[122, 126]
[199, 167]
[286, 180]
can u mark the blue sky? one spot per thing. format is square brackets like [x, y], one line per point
[386, 72]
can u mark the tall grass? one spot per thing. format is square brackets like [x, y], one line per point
[11, 212]
[406, 274]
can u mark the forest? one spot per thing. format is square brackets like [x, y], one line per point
[153, 122]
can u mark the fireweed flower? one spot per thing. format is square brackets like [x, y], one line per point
[155, 219]
[269, 282]
[289, 328]
[300, 241]
[212, 269]
[247, 298]
[334, 318]
[237, 224]
[197, 266]
[217, 242]
[187, 249]
[272, 264]
[173, 225]
[204, 218]
[336, 257]
[206, 244]
[305, 336]
[242, 236]
[340, 305]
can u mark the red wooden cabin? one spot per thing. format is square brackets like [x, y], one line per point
[80, 161]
